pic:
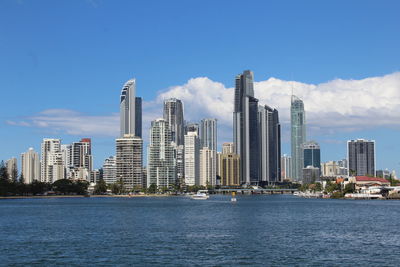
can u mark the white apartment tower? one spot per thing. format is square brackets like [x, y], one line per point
[30, 164]
[207, 166]
[52, 168]
[160, 163]
[129, 161]
[192, 154]
[110, 170]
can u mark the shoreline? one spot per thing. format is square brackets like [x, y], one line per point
[88, 196]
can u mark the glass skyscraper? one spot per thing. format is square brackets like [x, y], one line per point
[173, 114]
[298, 134]
[245, 128]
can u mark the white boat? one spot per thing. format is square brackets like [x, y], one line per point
[233, 198]
[201, 194]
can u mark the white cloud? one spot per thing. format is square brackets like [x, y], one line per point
[337, 105]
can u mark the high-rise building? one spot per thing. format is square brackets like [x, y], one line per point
[95, 176]
[286, 167]
[207, 166]
[12, 168]
[138, 117]
[160, 163]
[229, 169]
[81, 153]
[329, 169]
[311, 154]
[30, 164]
[52, 168]
[270, 145]
[192, 161]
[110, 170]
[128, 109]
[192, 127]
[298, 133]
[129, 161]
[179, 157]
[208, 133]
[245, 128]
[361, 157]
[310, 174]
[173, 114]
[228, 148]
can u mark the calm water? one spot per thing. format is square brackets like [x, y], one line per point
[260, 230]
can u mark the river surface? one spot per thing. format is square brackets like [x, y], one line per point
[260, 230]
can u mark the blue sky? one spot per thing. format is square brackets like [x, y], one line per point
[69, 59]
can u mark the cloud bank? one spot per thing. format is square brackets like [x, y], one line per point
[337, 105]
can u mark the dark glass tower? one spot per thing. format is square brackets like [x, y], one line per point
[173, 114]
[270, 144]
[245, 128]
[361, 157]
[138, 117]
[312, 154]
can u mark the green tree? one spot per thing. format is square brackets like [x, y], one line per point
[63, 186]
[349, 188]
[100, 187]
[37, 187]
[152, 189]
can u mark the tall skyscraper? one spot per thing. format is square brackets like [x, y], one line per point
[110, 170]
[82, 154]
[245, 128]
[129, 161]
[286, 167]
[298, 132]
[270, 145]
[208, 172]
[30, 164]
[208, 133]
[173, 114]
[129, 112]
[12, 168]
[228, 148]
[138, 117]
[160, 163]
[361, 157]
[52, 168]
[192, 159]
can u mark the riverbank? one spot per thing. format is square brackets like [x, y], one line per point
[82, 196]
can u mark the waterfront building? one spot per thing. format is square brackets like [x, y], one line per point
[207, 166]
[208, 133]
[310, 174]
[30, 166]
[361, 157]
[110, 170]
[130, 114]
[298, 136]
[129, 161]
[363, 182]
[12, 168]
[269, 144]
[95, 176]
[245, 128]
[173, 114]
[66, 155]
[228, 148]
[229, 169]
[179, 157]
[160, 163]
[192, 161]
[52, 168]
[286, 167]
[311, 154]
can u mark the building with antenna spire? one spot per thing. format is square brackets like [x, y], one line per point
[298, 136]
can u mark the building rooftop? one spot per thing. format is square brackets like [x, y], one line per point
[370, 179]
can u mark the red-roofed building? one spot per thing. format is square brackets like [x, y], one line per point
[365, 181]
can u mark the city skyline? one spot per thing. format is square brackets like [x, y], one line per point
[348, 81]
